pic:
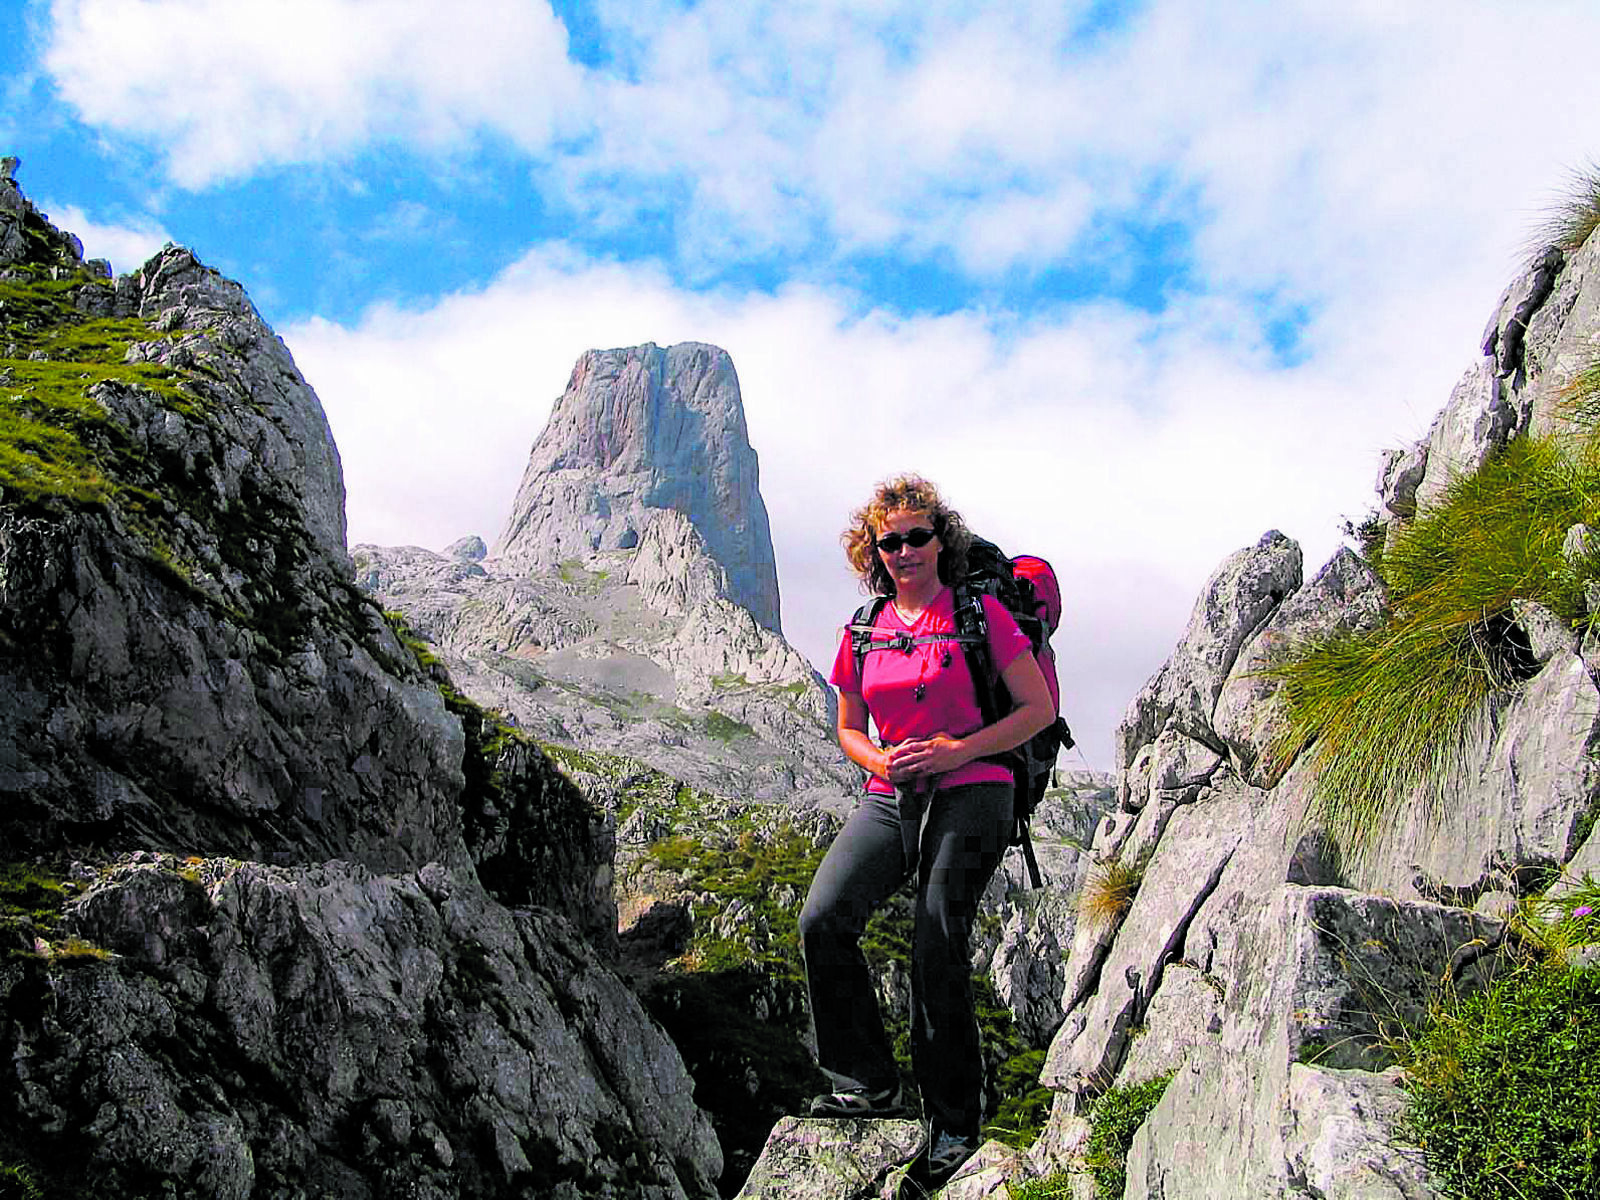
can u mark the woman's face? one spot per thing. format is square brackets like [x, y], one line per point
[911, 567]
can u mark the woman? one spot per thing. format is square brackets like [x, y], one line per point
[935, 803]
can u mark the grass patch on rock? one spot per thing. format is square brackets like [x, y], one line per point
[57, 443]
[1394, 714]
[32, 898]
[1109, 890]
[1504, 1087]
[1113, 1120]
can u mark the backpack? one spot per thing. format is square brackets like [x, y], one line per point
[1027, 587]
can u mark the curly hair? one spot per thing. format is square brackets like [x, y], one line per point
[909, 493]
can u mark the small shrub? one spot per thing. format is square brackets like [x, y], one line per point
[17, 1184]
[1113, 1120]
[1504, 1088]
[1572, 217]
[1053, 1187]
[1109, 891]
[1565, 924]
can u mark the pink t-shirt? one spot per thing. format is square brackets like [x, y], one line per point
[949, 702]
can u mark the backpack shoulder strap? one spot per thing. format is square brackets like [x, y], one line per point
[972, 626]
[861, 626]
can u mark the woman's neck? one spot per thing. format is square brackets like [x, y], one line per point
[913, 603]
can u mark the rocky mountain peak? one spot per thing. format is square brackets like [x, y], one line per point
[642, 429]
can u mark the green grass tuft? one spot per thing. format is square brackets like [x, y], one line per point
[1113, 1120]
[1572, 217]
[1056, 1186]
[1393, 715]
[1579, 400]
[1505, 1088]
[57, 444]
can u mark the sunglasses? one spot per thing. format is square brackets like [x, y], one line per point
[890, 543]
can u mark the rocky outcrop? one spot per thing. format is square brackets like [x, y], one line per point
[189, 666]
[327, 1031]
[1255, 965]
[332, 930]
[1540, 336]
[635, 652]
[639, 430]
[1345, 972]
[631, 603]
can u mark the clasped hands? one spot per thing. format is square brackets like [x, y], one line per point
[922, 758]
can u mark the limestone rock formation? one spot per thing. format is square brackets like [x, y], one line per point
[298, 920]
[1256, 965]
[631, 602]
[639, 430]
[341, 1033]
[1540, 335]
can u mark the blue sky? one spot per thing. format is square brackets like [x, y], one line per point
[1134, 282]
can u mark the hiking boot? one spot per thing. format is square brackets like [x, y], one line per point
[860, 1102]
[936, 1163]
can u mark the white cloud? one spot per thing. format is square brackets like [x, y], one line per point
[1315, 139]
[126, 246]
[1371, 164]
[227, 89]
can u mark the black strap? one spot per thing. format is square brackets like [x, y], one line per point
[1026, 842]
[972, 624]
[971, 619]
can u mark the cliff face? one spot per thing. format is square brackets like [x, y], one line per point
[646, 429]
[282, 915]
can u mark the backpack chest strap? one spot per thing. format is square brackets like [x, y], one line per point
[870, 637]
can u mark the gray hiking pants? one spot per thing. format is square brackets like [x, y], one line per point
[964, 832]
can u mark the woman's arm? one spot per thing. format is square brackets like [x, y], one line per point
[1031, 711]
[853, 739]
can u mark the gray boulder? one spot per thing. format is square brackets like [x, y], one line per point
[1238, 598]
[823, 1160]
[470, 548]
[1345, 597]
[1346, 969]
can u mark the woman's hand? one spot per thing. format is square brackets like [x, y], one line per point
[922, 757]
[853, 739]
